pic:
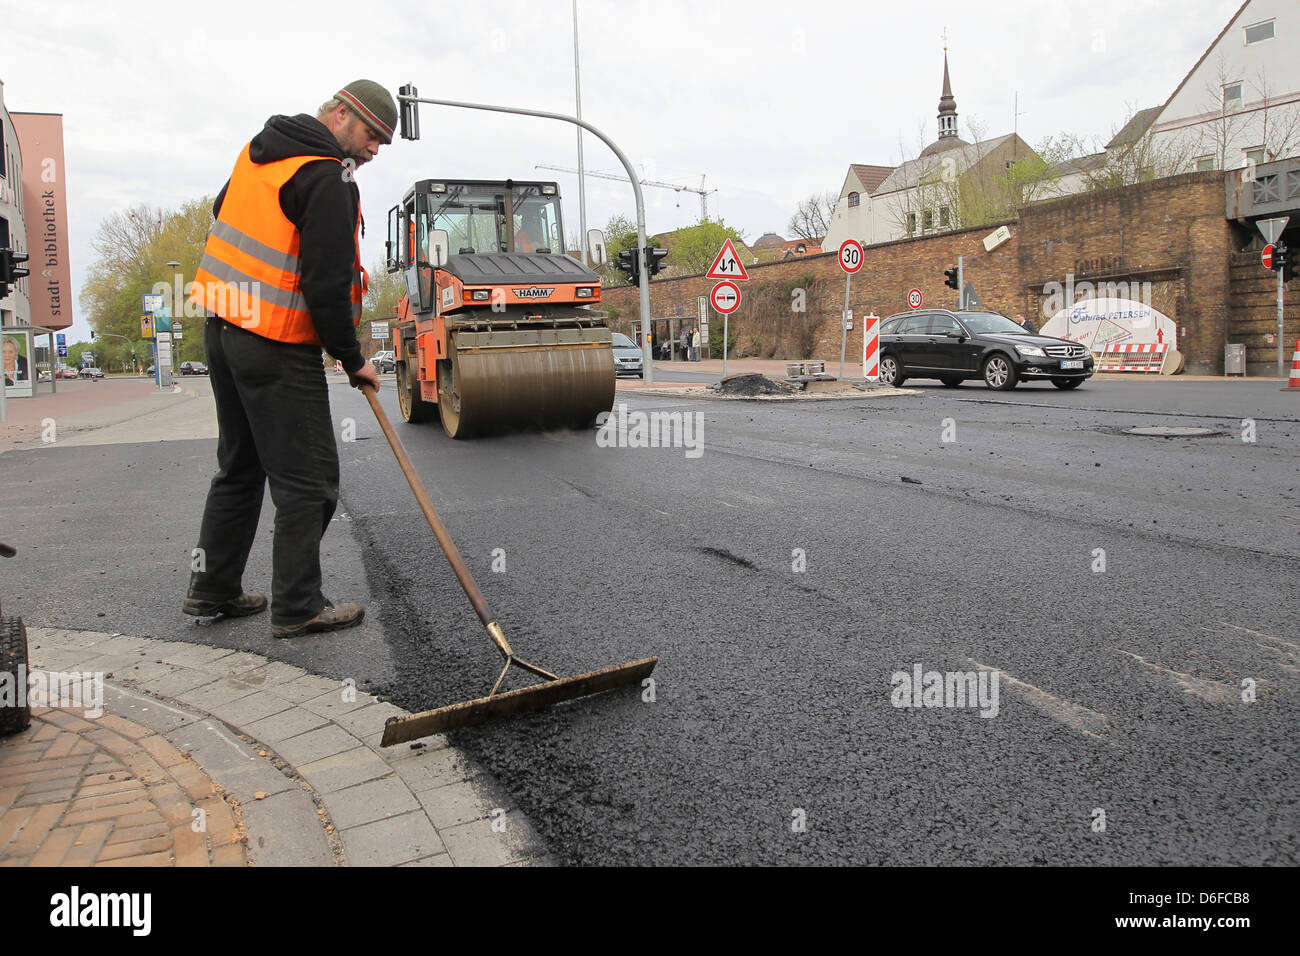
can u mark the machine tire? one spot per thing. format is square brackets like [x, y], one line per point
[414, 409]
[1067, 382]
[951, 381]
[1000, 373]
[891, 371]
[13, 660]
[449, 402]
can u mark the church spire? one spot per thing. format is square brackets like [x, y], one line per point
[947, 105]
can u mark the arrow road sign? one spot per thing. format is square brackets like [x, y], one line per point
[727, 265]
[726, 297]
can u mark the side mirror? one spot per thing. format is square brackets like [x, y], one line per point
[596, 247]
[438, 241]
[956, 334]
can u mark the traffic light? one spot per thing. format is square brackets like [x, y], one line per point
[654, 260]
[951, 281]
[9, 271]
[1282, 261]
[628, 263]
[408, 114]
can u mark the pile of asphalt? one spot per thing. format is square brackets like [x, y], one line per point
[752, 384]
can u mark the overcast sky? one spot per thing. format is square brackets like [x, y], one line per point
[770, 101]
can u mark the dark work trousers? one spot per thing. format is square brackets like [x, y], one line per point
[273, 412]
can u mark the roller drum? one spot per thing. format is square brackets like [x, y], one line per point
[494, 389]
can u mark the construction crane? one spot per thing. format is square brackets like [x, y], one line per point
[703, 193]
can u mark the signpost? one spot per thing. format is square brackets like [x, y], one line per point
[850, 256]
[726, 299]
[1272, 232]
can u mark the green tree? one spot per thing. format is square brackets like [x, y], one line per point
[692, 250]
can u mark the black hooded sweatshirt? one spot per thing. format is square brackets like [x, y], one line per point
[322, 202]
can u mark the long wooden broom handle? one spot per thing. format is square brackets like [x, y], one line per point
[444, 539]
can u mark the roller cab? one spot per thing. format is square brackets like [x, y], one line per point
[497, 330]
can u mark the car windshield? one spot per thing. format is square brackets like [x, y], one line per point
[621, 341]
[981, 322]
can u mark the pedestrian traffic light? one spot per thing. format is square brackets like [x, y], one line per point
[1282, 261]
[951, 281]
[654, 260]
[628, 263]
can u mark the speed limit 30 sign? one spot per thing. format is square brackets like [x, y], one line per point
[914, 299]
[850, 256]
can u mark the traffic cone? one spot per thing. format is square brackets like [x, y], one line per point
[1293, 383]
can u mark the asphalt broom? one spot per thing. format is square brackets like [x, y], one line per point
[553, 689]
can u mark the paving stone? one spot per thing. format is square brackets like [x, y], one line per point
[250, 708]
[457, 803]
[177, 682]
[315, 744]
[233, 663]
[375, 800]
[342, 770]
[146, 669]
[367, 719]
[196, 655]
[305, 688]
[442, 859]
[265, 676]
[230, 761]
[424, 770]
[288, 723]
[477, 844]
[285, 830]
[210, 696]
[331, 704]
[390, 842]
[142, 709]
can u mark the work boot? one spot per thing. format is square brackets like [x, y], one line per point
[331, 618]
[241, 606]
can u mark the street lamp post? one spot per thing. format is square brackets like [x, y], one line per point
[176, 308]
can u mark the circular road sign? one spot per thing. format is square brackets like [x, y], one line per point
[1267, 256]
[914, 299]
[850, 255]
[725, 297]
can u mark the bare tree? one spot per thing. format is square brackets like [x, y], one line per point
[1279, 123]
[812, 217]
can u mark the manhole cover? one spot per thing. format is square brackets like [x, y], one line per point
[1172, 431]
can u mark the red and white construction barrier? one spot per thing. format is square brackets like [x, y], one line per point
[1148, 357]
[1294, 380]
[871, 348]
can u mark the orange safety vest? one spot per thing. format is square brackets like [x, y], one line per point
[250, 274]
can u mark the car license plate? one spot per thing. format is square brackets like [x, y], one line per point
[1072, 363]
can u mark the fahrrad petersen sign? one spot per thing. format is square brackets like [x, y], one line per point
[1103, 323]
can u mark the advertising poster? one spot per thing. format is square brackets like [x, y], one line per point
[18, 363]
[1104, 323]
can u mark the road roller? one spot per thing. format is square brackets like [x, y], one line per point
[497, 330]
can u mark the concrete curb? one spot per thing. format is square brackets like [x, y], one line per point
[300, 754]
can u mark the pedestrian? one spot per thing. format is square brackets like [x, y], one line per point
[685, 343]
[695, 345]
[1026, 324]
[280, 279]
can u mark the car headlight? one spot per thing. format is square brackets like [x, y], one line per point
[1030, 350]
[586, 292]
[481, 295]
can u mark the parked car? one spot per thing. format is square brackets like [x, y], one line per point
[90, 373]
[955, 346]
[43, 375]
[67, 373]
[193, 368]
[627, 356]
[384, 361]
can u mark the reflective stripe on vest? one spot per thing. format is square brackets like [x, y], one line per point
[250, 274]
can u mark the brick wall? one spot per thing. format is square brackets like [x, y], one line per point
[1170, 232]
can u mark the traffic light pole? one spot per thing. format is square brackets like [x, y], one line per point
[1281, 345]
[647, 359]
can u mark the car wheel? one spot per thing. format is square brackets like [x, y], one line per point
[891, 372]
[951, 382]
[999, 373]
[1067, 382]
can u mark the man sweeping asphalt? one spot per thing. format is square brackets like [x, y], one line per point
[281, 278]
